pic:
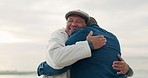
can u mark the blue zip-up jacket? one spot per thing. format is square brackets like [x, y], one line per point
[97, 66]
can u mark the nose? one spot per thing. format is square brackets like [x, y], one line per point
[73, 24]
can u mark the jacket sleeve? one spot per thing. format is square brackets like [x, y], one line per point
[45, 69]
[129, 73]
[58, 55]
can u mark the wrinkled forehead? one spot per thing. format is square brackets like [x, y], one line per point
[77, 17]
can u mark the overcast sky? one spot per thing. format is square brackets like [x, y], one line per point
[26, 25]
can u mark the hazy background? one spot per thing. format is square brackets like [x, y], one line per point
[26, 25]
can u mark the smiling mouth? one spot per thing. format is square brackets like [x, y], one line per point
[72, 30]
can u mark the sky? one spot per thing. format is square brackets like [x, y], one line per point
[26, 25]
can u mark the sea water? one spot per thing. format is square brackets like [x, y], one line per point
[18, 76]
[139, 65]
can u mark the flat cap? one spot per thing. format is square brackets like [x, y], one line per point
[79, 13]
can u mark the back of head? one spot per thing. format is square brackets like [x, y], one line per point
[92, 20]
[79, 13]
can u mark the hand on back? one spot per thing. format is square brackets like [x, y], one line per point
[97, 41]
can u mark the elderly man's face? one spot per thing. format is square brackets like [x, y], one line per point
[74, 22]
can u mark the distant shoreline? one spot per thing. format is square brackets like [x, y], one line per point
[7, 72]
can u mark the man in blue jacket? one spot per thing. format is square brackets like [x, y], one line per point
[100, 64]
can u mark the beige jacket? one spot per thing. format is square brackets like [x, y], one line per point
[58, 55]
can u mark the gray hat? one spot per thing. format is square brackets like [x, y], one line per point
[80, 13]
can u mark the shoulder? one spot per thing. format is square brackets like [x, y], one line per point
[83, 30]
[59, 34]
[58, 31]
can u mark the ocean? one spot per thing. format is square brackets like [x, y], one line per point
[138, 63]
[18, 76]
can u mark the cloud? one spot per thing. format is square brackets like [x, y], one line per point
[22, 56]
[113, 5]
[31, 19]
[35, 20]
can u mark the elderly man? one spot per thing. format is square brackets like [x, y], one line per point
[60, 55]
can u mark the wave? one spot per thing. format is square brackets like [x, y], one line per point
[7, 72]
